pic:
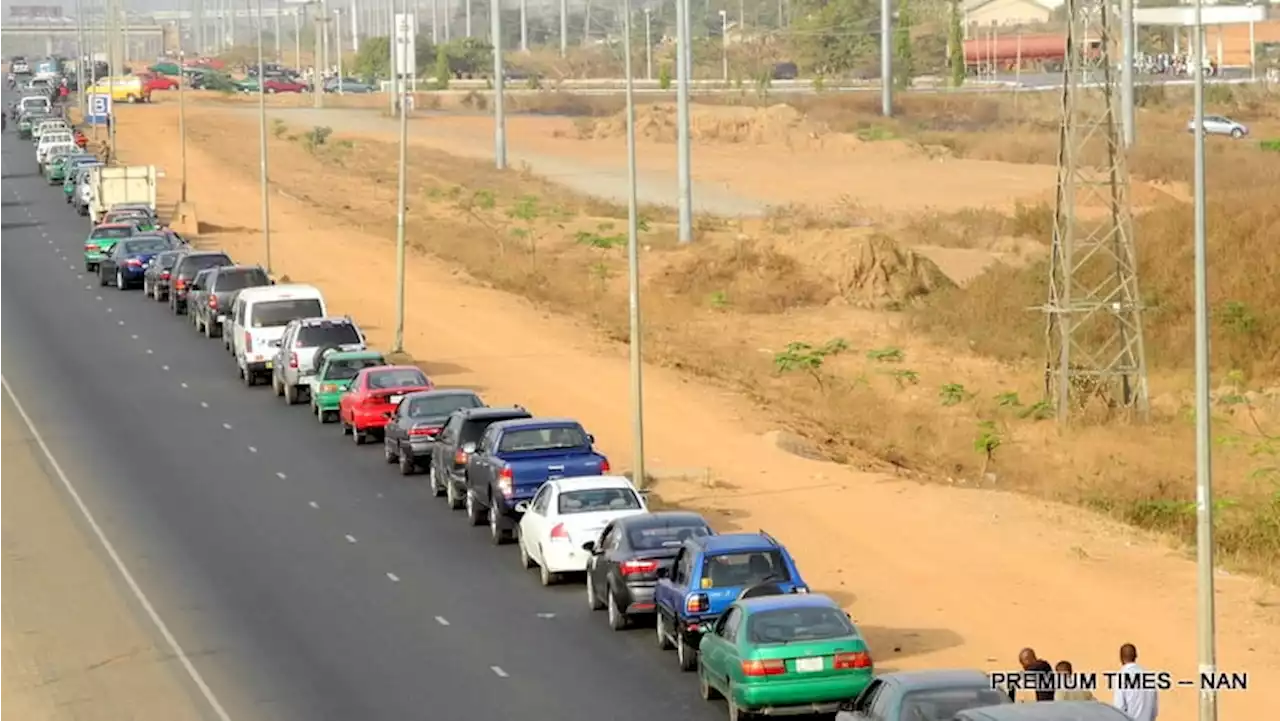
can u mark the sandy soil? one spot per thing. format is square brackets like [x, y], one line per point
[936, 576]
[75, 646]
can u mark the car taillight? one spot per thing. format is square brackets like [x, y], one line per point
[424, 431]
[559, 533]
[604, 465]
[179, 284]
[91, 247]
[767, 667]
[459, 457]
[248, 342]
[164, 275]
[135, 262]
[213, 302]
[630, 568]
[697, 603]
[505, 480]
[293, 360]
[847, 661]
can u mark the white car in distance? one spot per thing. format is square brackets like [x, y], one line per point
[565, 514]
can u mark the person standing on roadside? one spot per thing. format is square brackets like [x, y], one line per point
[1063, 668]
[1137, 703]
[1032, 664]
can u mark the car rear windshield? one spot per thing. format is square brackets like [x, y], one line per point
[347, 369]
[543, 439]
[599, 499]
[474, 428]
[241, 279]
[441, 406]
[805, 623]
[653, 538]
[168, 260]
[111, 233]
[314, 336]
[275, 313]
[150, 245]
[192, 264]
[398, 378]
[943, 704]
[746, 568]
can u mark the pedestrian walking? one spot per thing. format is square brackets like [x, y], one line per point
[1032, 664]
[1135, 702]
[1063, 668]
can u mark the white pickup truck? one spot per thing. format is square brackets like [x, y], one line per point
[110, 186]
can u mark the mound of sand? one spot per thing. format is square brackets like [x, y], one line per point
[874, 271]
[774, 125]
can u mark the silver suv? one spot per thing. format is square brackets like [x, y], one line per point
[302, 349]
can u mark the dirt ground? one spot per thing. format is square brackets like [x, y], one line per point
[76, 648]
[936, 575]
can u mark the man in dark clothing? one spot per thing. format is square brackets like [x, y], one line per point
[1032, 664]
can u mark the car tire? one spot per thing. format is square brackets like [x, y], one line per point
[497, 528]
[88, 267]
[593, 601]
[432, 482]
[102, 280]
[121, 284]
[408, 467]
[1237, 133]
[208, 330]
[686, 655]
[387, 454]
[474, 514]
[735, 712]
[451, 498]
[545, 577]
[705, 690]
[618, 620]
[357, 435]
[290, 394]
[660, 632]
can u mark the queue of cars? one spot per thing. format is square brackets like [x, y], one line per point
[734, 606]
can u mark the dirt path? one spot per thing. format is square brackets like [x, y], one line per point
[935, 576]
[75, 647]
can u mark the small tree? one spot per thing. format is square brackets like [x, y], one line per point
[903, 64]
[442, 68]
[955, 41]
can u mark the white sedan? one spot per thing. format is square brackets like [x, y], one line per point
[565, 514]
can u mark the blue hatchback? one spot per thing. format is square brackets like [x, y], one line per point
[127, 262]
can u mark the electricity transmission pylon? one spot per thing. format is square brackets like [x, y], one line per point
[1094, 341]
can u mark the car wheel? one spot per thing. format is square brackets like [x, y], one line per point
[433, 482]
[357, 435]
[660, 632]
[545, 577]
[387, 454]
[208, 330]
[686, 655]
[451, 496]
[474, 514]
[1237, 133]
[593, 601]
[120, 282]
[408, 467]
[617, 618]
[88, 267]
[250, 378]
[704, 689]
[735, 713]
[102, 280]
[497, 528]
[290, 394]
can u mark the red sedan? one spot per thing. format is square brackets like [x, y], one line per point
[363, 410]
[153, 82]
[278, 85]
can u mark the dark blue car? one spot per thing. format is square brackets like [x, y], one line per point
[125, 265]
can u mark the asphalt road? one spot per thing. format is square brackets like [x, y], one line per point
[301, 576]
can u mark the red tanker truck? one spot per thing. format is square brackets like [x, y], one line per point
[1006, 50]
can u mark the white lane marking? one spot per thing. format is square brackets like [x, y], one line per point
[184, 385]
[44, 235]
[379, 495]
[108, 310]
[280, 475]
[138, 594]
[497, 671]
[120, 322]
[204, 404]
[80, 275]
[442, 620]
[546, 615]
[165, 368]
[253, 449]
[351, 538]
[149, 351]
[134, 336]
[394, 578]
[88, 287]
[71, 266]
[313, 504]
[227, 426]
[99, 297]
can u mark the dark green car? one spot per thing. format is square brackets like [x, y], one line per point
[102, 239]
[782, 654]
[55, 170]
[28, 122]
[337, 370]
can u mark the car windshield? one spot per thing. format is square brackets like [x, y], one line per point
[440, 406]
[126, 216]
[396, 378]
[314, 336]
[943, 704]
[99, 233]
[653, 538]
[193, 264]
[802, 623]
[241, 279]
[543, 439]
[345, 370]
[745, 568]
[149, 245]
[598, 499]
[276, 313]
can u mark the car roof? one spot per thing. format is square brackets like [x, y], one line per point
[205, 254]
[1048, 711]
[936, 678]
[518, 423]
[268, 292]
[442, 393]
[392, 368]
[355, 355]
[114, 225]
[664, 518]
[485, 413]
[329, 319]
[728, 542]
[757, 604]
[582, 483]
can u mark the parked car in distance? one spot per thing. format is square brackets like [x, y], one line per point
[185, 270]
[258, 318]
[347, 85]
[223, 285]
[303, 345]
[334, 377]
[125, 265]
[374, 393]
[932, 695]
[1220, 125]
[623, 566]
[783, 654]
[197, 294]
[513, 460]
[455, 444]
[141, 219]
[155, 81]
[413, 428]
[565, 515]
[102, 239]
[709, 573]
[155, 281]
[1044, 711]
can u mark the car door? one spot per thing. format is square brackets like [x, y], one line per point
[443, 449]
[720, 655]
[873, 699]
[598, 563]
[534, 523]
[280, 364]
[397, 430]
[237, 325]
[107, 266]
[352, 393]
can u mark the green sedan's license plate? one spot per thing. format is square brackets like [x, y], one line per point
[267, 365]
[804, 665]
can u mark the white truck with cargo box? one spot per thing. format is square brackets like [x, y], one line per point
[114, 185]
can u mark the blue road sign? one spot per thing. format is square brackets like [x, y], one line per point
[99, 109]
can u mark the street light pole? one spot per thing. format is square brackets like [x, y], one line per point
[80, 59]
[297, 39]
[724, 45]
[182, 124]
[337, 16]
[648, 44]
[399, 69]
[499, 90]
[638, 476]
[262, 145]
[684, 172]
[886, 58]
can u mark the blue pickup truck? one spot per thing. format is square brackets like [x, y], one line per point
[512, 461]
[710, 573]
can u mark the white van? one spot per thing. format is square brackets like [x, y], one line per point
[51, 143]
[34, 103]
[49, 126]
[257, 322]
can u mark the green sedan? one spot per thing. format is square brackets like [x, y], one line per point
[27, 123]
[102, 239]
[72, 181]
[55, 170]
[783, 653]
[337, 370]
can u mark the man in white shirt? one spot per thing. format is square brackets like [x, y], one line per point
[1138, 704]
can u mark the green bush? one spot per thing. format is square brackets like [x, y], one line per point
[1272, 145]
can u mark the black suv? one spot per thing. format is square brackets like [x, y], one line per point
[457, 441]
[219, 290]
[185, 270]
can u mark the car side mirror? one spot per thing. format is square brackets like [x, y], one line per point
[522, 507]
[273, 281]
[589, 547]
[846, 706]
[468, 448]
[664, 573]
[386, 414]
[591, 438]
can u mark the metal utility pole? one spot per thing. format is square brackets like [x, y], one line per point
[355, 28]
[564, 28]
[297, 39]
[115, 57]
[80, 59]
[499, 89]
[1206, 632]
[524, 26]
[684, 163]
[1095, 347]
[276, 31]
[402, 60]
[1128, 50]
[262, 146]
[182, 126]
[886, 58]
[468, 24]
[638, 476]
[648, 44]
[317, 82]
[724, 45]
[337, 16]
[435, 22]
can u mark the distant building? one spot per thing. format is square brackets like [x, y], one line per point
[986, 13]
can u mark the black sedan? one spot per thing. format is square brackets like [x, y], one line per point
[412, 429]
[932, 695]
[624, 563]
[125, 266]
[155, 282]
